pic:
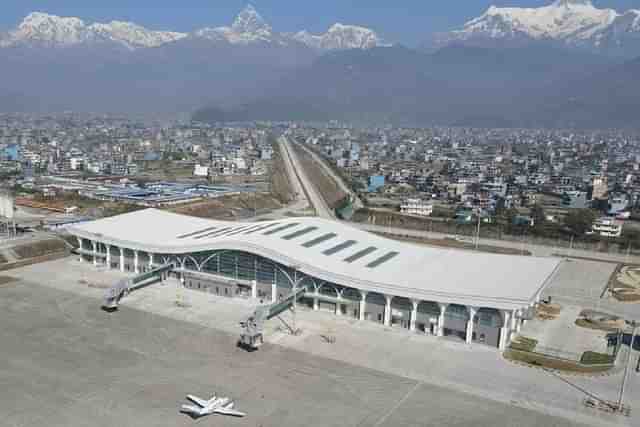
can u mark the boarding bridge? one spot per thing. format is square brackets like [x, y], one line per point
[125, 286]
[252, 337]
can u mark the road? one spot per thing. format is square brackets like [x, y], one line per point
[301, 180]
[344, 187]
[537, 250]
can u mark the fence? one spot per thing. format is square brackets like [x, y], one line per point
[492, 231]
[552, 357]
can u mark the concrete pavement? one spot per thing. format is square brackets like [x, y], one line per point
[476, 371]
[346, 189]
[297, 173]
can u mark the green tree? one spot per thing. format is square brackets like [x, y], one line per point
[579, 221]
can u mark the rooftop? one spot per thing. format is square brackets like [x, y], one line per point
[337, 252]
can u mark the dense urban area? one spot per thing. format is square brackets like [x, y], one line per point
[521, 245]
[565, 186]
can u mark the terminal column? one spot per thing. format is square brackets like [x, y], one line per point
[414, 314]
[108, 261]
[274, 292]
[94, 245]
[363, 305]
[443, 310]
[136, 269]
[519, 320]
[315, 301]
[514, 314]
[121, 259]
[387, 311]
[254, 289]
[80, 248]
[472, 315]
[504, 331]
[150, 261]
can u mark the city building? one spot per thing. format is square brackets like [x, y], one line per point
[478, 297]
[416, 207]
[375, 182]
[574, 200]
[607, 227]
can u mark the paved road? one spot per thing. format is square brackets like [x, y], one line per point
[66, 363]
[344, 187]
[301, 201]
[297, 173]
[537, 250]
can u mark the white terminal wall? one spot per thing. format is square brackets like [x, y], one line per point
[426, 273]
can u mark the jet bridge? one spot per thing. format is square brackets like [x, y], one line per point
[252, 337]
[125, 286]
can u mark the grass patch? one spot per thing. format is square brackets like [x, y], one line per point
[37, 249]
[593, 358]
[585, 323]
[541, 360]
[524, 344]
[5, 280]
[627, 296]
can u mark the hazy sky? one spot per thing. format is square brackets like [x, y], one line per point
[409, 24]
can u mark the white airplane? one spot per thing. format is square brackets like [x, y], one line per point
[215, 405]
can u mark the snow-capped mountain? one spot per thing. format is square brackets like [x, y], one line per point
[341, 36]
[248, 28]
[574, 23]
[50, 30]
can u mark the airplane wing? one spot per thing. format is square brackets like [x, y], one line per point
[195, 399]
[191, 409]
[231, 412]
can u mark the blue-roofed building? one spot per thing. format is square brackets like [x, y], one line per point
[375, 182]
[11, 153]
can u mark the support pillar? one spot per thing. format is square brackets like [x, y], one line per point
[121, 259]
[136, 268]
[363, 305]
[254, 289]
[513, 328]
[519, 321]
[414, 314]
[150, 261]
[274, 292]
[108, 259]
[472, 314]
[504, 331]
[94, 246]
[443, 310]
[80, 247]
[316, 305]
[387, 310]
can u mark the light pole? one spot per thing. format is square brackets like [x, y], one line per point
[626, 258]
[626, 368]
[570, 247]
[478, 230]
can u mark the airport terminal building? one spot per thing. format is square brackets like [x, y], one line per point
[478, 297]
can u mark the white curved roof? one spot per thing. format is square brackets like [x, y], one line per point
[337, 252]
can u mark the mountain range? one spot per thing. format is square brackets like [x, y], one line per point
[574, 24]
[42, 29]
[533, 86]
[562, 65]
